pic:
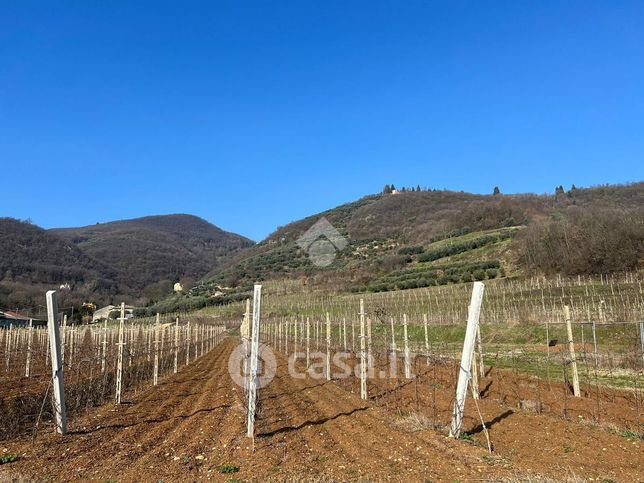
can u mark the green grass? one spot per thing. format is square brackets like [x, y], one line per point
[228, 469]
[8, 458]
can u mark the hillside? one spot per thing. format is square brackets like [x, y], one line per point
[33, 259]
[153, 248]
[419, 238]
[138, 259]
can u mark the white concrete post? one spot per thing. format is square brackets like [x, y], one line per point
[245, 336]
[30, 338]
[119, 360]
[295, 340]
[308, 343]
[426, 338]
[188, 343]
[103, 354]
[363, 354]
[328, 347]
[176, 344]
[156, 351]
[474, 313]
[344, 331]
[407, 352]
[56, 362]
[369, 357]
[254, 363]
[571, 349]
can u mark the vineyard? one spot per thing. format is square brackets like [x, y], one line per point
[359, 386]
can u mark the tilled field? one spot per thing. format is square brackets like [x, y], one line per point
[192, 427]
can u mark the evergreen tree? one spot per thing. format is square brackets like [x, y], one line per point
[496, 191]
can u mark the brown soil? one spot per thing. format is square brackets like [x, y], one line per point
[193, 424]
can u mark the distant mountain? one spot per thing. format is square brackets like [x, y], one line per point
[138, 258]
[153, 248]
[418, 238]
[33, 260]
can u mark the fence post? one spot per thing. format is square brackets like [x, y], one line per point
[156, 351]
[407, 353]
[426, 338]
[571, 349]
[245, 336]
[254, 353]
[63, 341]
[308, 340]
[295, 324]
[119, 360]
[188, 342]
[466, 359]
[328, 347]
[176, 344]
[104, 346]
[56, 362]
[480, 351]
[30, 338]
[363, 355]
[344, 331]
[641, 339]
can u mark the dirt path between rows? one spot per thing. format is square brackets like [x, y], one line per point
[192, 427]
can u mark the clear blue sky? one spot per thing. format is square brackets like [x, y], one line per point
[252, 114]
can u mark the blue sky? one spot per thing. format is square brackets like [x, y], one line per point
[252, 114]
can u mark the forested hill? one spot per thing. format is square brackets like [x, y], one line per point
[416, 238]
[153, 248]
[137, 260]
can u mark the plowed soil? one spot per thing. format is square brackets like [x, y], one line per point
[192, 427]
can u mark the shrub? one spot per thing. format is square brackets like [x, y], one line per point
[479, 274]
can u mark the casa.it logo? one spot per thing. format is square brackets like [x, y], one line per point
[322, 242]
[239, 365]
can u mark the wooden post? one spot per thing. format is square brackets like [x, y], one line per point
[363, 355]
[407, 353]
[474, 313]
[548, 339]
[571, 349]
[480, 351]
[328, 347]
[393, 336]
[119, 360]
[254, 354]
[595, 344]
[29, 342]
[475, 379]
[63, 340]
[56, 362]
